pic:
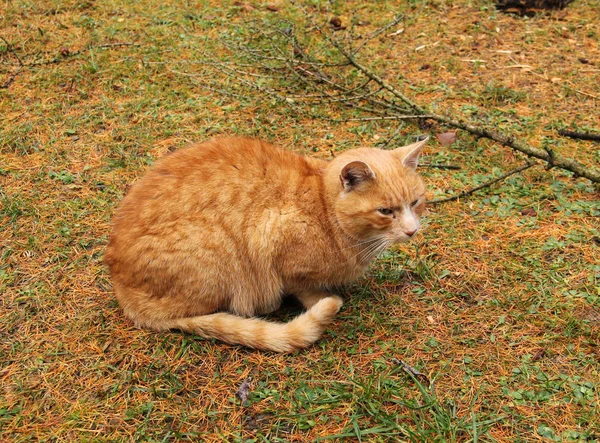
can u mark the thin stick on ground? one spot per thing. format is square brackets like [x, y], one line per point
[377, 33]
[440, 166]
[63, 57]
[69, 55]
[579, 135]
[385, 117]
[395, 110]
[509, 141]
[12, 76]
[487, 184]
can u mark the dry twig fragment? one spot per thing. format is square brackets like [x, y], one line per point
[412, 371]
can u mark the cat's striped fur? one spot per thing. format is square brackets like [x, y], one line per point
[217, 233]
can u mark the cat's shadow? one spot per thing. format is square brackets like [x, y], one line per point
[289, 309]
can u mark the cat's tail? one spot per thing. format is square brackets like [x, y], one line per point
[261, 334]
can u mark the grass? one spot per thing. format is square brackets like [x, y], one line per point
[497, 301]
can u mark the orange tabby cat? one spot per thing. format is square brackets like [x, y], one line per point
[217, 233]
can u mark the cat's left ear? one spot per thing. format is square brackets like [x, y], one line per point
[410, 153]
[355, 174]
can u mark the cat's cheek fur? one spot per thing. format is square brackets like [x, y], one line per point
[420, 208]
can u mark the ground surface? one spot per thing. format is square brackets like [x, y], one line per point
[497, 300]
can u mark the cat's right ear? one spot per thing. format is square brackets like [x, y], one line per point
[410, 153]
[354, 174]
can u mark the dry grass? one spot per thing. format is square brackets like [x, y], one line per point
[501, 308]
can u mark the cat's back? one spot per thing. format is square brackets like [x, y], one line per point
[226, 175]
[228, 160]
[223, 157]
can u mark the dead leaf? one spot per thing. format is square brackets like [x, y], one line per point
[272, 7]
[336, 23]
[529, 211]
[446, 138]
[244, 390]
[414, 372]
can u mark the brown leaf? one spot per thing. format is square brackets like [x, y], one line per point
[272, 7]
[244, 390]
[336, 22]
[446, 138]
[529, 211]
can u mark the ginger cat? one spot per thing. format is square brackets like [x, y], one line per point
[217, 233]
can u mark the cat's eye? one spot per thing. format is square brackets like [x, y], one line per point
[413, 204]
[385, 211]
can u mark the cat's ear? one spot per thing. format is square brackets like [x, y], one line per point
[410, 153]
[355, 174]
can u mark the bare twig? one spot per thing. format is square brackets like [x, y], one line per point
[439, 166]
[423, 379]
[377, 33]
[369, 92]
[11, 78]
[487, 184]
[384, 117]
[579, 135]
[13, 75]
[508, 141]
[63, 57]
[69, 55]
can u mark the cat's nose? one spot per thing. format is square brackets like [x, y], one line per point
[410, 233]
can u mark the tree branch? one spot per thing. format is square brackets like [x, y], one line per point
[579, 135]
[553, 160]
[487, 184]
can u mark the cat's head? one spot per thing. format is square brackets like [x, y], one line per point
[377, 193]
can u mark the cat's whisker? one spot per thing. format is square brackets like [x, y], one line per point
[371, 251]
[367, 257]
[370, 240]
[371, 245]
[382, 247]
[362, 252]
